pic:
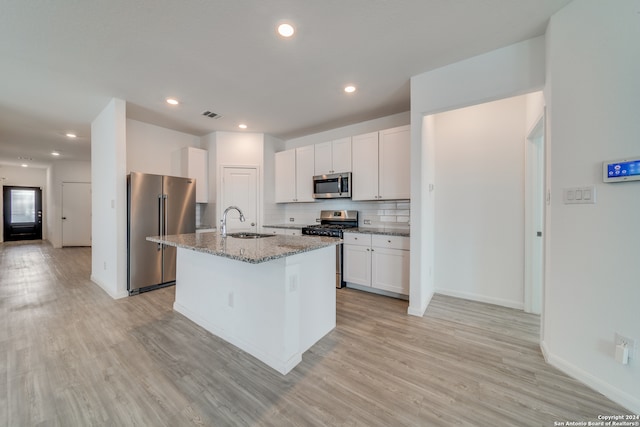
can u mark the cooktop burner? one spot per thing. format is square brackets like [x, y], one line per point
[333, 226]
[332, 223]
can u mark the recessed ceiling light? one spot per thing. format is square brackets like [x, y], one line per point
[242, 126]
[172, 101]
[72, 135]
[350, 89]
[24, 165]
[286, 30]
[55, 153]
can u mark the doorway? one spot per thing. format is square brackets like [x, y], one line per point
[22, 209]
[534, 219]
[76, 214]
[240, 188]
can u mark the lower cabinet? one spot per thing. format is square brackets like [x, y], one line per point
[282, 231]
[377, 261]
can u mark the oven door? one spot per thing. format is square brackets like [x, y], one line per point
[333, 186]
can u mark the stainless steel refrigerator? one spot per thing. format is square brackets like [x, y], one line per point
[157, 205]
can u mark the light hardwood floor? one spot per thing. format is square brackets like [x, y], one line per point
[72, 356]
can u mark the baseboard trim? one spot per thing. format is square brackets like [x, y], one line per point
[481, 298]
[620, 397]
[421, 309]
[106, 288]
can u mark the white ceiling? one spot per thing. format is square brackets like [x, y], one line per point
[62, 61]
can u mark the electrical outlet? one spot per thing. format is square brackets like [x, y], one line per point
[367, 222]
[230, 299]
[292, 219]
[631, 344]
[105, 265]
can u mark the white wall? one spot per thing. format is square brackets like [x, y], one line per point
[154, 149]
[505, 72]
[109, 199]
[593, 270]
[63, 171]
[479, 204]
[26, 177]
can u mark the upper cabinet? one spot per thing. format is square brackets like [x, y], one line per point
[333, 157]
[194, 164]
[394, 165]
[365, 167]
[294, 175]
[381, 165]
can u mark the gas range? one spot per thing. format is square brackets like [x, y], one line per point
[332, 223]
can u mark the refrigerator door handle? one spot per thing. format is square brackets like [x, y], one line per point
[164, 214]
[160, 219]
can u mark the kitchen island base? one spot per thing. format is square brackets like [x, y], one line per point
[273, 310]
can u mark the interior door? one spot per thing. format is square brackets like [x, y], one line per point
[240, 188]
[22, 208]
[76, 214]
[534, 220]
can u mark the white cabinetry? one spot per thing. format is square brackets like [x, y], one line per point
[381, 165]
[377, 261]
[194, 164]
[285, 163]
[294, 175]
[365, 167]
[333, 156]
[282, 231]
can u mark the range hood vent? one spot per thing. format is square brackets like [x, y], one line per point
[211, 115]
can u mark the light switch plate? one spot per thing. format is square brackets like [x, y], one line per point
[579, 195]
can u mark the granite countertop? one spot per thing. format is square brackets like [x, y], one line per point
[387, 231]
[289, 225]
[253, 251]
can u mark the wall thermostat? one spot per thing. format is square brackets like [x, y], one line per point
[621, 170]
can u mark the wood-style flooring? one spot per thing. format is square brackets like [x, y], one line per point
[72, 356]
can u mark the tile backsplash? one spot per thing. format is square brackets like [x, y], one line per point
[389, 213]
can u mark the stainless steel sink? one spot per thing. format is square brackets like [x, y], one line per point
[243, 235]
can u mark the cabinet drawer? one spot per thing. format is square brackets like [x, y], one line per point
[390, 242]
[357, 239]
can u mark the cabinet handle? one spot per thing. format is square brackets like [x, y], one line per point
[389, 241]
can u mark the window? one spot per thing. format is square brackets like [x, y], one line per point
[23, 206]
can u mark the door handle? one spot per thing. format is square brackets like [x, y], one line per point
[164, 214]
[160, 219]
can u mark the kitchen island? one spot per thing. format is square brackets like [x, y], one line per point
[273, 297]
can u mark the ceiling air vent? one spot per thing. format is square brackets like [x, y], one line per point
[211, 115]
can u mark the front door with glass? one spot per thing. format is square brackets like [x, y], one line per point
[22, 209]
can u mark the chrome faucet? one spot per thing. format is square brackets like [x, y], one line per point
[223, 221]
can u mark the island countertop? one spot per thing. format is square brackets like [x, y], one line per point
[253, 251]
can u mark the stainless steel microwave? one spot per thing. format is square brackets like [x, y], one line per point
[332, 186]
